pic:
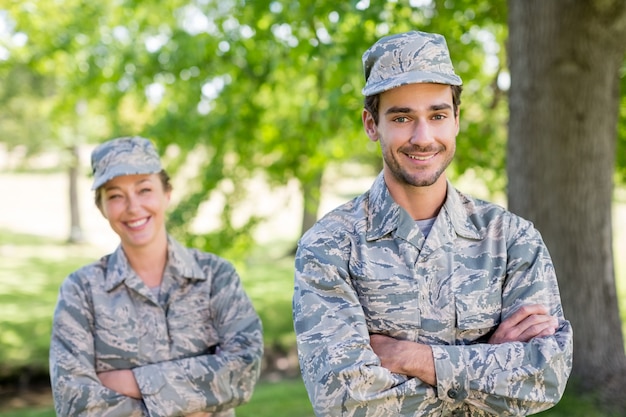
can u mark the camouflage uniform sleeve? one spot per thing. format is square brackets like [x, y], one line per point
[76, 389]
[342, 374]
[211, 382]
[513, 378]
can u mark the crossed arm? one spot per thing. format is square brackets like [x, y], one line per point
[123, 382]
[416, 359]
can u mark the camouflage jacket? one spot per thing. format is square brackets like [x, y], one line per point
[367, 268]
[197, 347]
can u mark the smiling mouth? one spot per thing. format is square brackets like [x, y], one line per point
[421, 158]
[137, 223]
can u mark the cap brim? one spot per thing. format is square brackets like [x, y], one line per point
[121, 170]
[413, 77]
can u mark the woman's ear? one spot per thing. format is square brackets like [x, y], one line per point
[101, 208]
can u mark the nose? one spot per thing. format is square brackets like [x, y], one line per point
[132, 203]
[421, 134]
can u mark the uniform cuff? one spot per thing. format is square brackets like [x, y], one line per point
[150, 380]
[452, 375]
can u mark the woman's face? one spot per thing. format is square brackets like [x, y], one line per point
[135, 207]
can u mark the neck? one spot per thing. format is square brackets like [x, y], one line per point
[420, 202]
[148, 261]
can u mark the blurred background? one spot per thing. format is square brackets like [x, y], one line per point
[255, 107]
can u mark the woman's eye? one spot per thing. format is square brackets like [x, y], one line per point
[145, 190]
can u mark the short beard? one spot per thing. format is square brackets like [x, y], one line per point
[405, 177]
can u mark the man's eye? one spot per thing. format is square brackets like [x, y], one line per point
[401, 119]
[145, 190]
[439, 117]
[113, 196]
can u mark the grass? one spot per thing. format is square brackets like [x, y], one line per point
[268, 280]
[40, 412]
[286, 398]
[32, 268]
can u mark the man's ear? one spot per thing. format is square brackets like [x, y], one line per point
[370, 126]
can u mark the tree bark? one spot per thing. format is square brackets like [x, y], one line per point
[76, 230]
[565, 58]
[311, 197]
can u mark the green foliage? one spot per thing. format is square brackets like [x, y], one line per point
[268, 87]
[24, 108]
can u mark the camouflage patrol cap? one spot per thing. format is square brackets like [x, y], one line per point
[407, 58]
[123, 156]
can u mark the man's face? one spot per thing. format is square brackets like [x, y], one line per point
[417, 131]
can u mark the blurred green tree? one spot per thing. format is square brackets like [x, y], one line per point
[263, 88]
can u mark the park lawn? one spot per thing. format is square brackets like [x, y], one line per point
[32, 268]
[285, 398]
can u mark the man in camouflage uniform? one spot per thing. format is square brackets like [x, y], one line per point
[187, 344]
[415, 299]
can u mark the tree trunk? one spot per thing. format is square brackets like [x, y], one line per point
[311, 196]
[564, 101]
[76, 230]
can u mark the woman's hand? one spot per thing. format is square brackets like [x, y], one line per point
[121, 381]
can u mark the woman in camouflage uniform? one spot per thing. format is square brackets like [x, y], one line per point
[154, 328]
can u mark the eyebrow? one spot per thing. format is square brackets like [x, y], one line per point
[142, 181]
[434, 107]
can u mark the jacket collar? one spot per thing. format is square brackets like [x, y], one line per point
[386, 217]
[180, 263]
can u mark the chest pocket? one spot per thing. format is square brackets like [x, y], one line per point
[478, 313]
[389, 299]
[191, 325]
[117, 339]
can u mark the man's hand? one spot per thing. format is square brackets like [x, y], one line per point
[526, 323]
[405, 357]
[121, 381]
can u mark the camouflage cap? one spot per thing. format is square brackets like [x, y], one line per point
[407, 58]
[123, 156]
